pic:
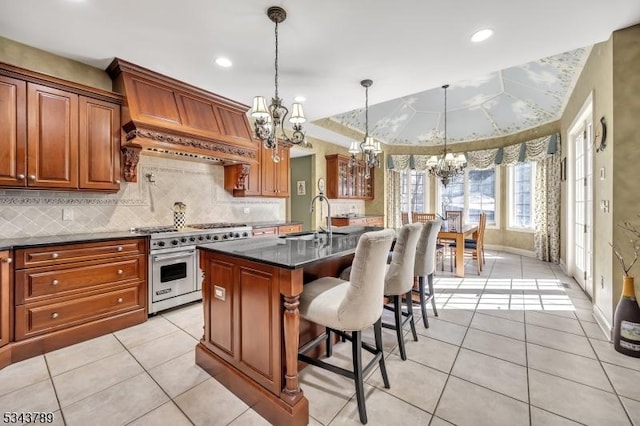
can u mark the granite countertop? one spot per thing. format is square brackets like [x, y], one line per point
[16, 243]
[268, 223]
[294, 250]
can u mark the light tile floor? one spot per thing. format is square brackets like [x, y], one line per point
[516, 345]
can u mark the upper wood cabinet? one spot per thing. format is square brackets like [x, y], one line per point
[275, 176]
[266, 178]
[99, 144]
[57, 134]
[345, 181]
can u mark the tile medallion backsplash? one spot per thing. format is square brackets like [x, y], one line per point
[200, 186]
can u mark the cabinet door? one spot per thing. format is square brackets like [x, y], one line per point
[268, 173]
[52, 135]
[5, 281]
[99, 145]
[283, 173]
[254, 180]
[13, 132]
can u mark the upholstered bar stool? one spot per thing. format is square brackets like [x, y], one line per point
[348, 307]
[398, 282]
[425, 265]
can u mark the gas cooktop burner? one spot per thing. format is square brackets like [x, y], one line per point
[216, 225]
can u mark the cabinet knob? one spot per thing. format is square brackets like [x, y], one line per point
[120, 300]
[20, 176]
[118, 181]
[120, 248]
[120, 271]
[54, 315]
[7, 260]
[32, 177]
[54, 282]
[54, 255]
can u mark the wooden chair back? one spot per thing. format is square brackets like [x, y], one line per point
[422, 217]
[405, 218]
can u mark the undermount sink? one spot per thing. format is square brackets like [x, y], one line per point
[299, 236]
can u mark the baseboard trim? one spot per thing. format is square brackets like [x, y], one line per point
[602, 322]
[521, 252]
[563, 266]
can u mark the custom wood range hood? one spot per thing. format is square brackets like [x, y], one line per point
[166, 116]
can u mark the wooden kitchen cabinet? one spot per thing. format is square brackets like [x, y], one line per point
[65, 294]
[276, 176]
[99, 149]
[5, 300]
[267, 179]
[358, 220]
[56, 135]
[348, 182]
[289, 229]
[265, 232]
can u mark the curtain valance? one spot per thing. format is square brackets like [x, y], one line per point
[533, 150]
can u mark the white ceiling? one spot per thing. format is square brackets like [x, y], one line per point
[326, 47]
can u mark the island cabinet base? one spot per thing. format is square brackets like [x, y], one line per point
[276, 410]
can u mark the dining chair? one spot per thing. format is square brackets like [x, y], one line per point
[475, 246]
[348, 307]
[422, 217]
[424, 266]
[405, 217]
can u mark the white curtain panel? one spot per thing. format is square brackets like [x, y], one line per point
[394, 219]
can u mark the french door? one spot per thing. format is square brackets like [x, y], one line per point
[583, 213]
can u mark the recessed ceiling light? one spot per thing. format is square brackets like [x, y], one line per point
[224, 62]
[299, 99]
[481, 35]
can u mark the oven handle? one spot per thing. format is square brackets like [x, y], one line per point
[173, 256]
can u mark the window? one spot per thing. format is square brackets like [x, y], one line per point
[472, 193]
[414, 196]
[521, 195]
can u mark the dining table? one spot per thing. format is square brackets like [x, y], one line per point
[458, 235]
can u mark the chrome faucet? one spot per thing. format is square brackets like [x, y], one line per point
[321, 197]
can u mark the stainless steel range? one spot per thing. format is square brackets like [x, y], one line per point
[174, 274]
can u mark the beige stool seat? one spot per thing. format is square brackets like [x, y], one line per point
[347, 307]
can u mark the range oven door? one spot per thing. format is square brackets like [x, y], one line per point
[172, 273]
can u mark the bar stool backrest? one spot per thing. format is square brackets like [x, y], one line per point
[425, 263]
[399, 277]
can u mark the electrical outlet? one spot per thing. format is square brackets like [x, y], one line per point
[246, 211]
[67, 213]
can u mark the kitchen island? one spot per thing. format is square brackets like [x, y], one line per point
[252, 327]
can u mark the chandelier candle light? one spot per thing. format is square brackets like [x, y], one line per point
[448, 166]
[269, 120]
[369, 149]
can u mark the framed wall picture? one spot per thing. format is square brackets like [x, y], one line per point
[302, 187]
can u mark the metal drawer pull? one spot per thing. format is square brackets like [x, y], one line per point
[54, 315]
[20, 176]
[55, 255]
[54, 282]
[7, 260]
[118, 181]
[170, 256]
[120, 271]
[120, 300]
[120, 248]
[32, 177]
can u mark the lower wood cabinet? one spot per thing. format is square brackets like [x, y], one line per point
[65, 294]
[271, 231]
[358, 220]
[289, 229]
[5, 298]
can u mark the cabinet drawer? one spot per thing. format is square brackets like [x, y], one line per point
[41, 283]
[375, 221]
[38, 319]
[59, 254]
[287, 229]
[263, 232]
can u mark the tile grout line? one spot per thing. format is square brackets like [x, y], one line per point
[55, 391]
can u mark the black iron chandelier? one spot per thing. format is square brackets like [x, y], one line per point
[448, 165]
[269, 120]
[368, 150]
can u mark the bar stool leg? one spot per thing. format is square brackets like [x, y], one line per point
[397, 308]
[356, 351]
[377, 332]
[433, 296]
[425, 320]
[412, 323]
[329, 342]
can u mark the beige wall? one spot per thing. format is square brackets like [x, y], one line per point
[33, 59]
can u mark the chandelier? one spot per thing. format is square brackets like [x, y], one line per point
[448, 166]
[368, 149]
[269, 120]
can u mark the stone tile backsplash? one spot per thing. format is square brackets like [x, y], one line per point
[200, 186]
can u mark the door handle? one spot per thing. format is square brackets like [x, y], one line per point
[172, 256]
